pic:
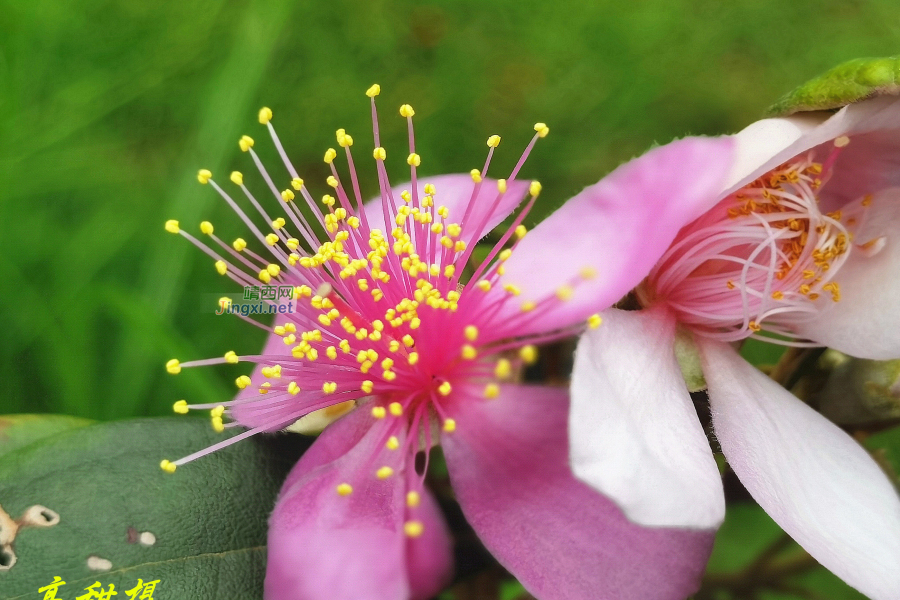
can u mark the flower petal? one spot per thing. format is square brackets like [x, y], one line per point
[325, 545]
[813, 479]
[455, 192]
[256, 414]
[866, 321]
[429, 558]
[562, 540]
[782, 139]
[616, 229]
[634, 431]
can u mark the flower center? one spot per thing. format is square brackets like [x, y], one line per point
[763, 257]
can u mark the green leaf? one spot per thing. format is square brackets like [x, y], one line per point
[845, 84]
[17, 431]
[207, 520]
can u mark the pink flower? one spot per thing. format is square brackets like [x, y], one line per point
[389, 324]
[803, 243]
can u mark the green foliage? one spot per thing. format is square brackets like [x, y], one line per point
[208, 519]
[17, 431]
[846, 83]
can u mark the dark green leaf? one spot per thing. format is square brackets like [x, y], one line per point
[846, 83]
[20, 430]
[207, 520]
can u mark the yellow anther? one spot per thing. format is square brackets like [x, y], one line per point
[384, 472]
[521, 230]
[246, 142]
[471, 332]
[367, 386]
[344, 489]
[231, 357]
[278, 223]
[491, 390]
[271, 239]
[265, 115]
[373, 91]
[292, 243]
[293, 388]
[167, 466]
[217, 424]
[406, 111]
[415, 323]
[414, 160]
[564, 292]
[841, 141]
[449, 270]
[594, 321]
[237, 178]
[413, 358]
[476, 175]
[330, 155]
[393, 443]
[242, 382]
[501, 186]
[430, 189]
[172, 226]
[512, 289]
[777, 295]
[264, 276]
[528, 353]
[503, 369]
[329, 387]
[527, 306]
[493, 141]
[408, 341]
[542, 129]
[387, 363]
[273, 269]
[297, 183]
[449, 426]
[484, 285]
[445, 388]
[378, 411]
[206, 228]
[328, 201]
[331, 352]
[217, 411]
[412, 499]
[204, 175]
[469, 352]
[413, 528]
[181, 407]
[225, 302]
[346, 141]
[239, 244]
[459, 246]
[753, 326]
[505, 254]
[437, 228]
[173, 366]
[434, 270]
[379, 153]
[396, 408]
[324, 320]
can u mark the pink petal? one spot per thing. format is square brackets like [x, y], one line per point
[252, 415]
[429, 558]
[455, 192]
[634, 431]
[783, 139]
[618, 228]
[323, 545]
[866, 321]
[509, 469]
[812, 478]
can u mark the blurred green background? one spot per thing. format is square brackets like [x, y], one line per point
[109, 108]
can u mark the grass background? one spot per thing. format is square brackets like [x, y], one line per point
[108, 108]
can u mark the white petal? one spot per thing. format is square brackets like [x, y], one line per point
[634, 432]
[768, 143]
[866, 321]
[813, 479]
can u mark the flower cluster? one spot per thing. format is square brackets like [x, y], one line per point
[397, 329]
